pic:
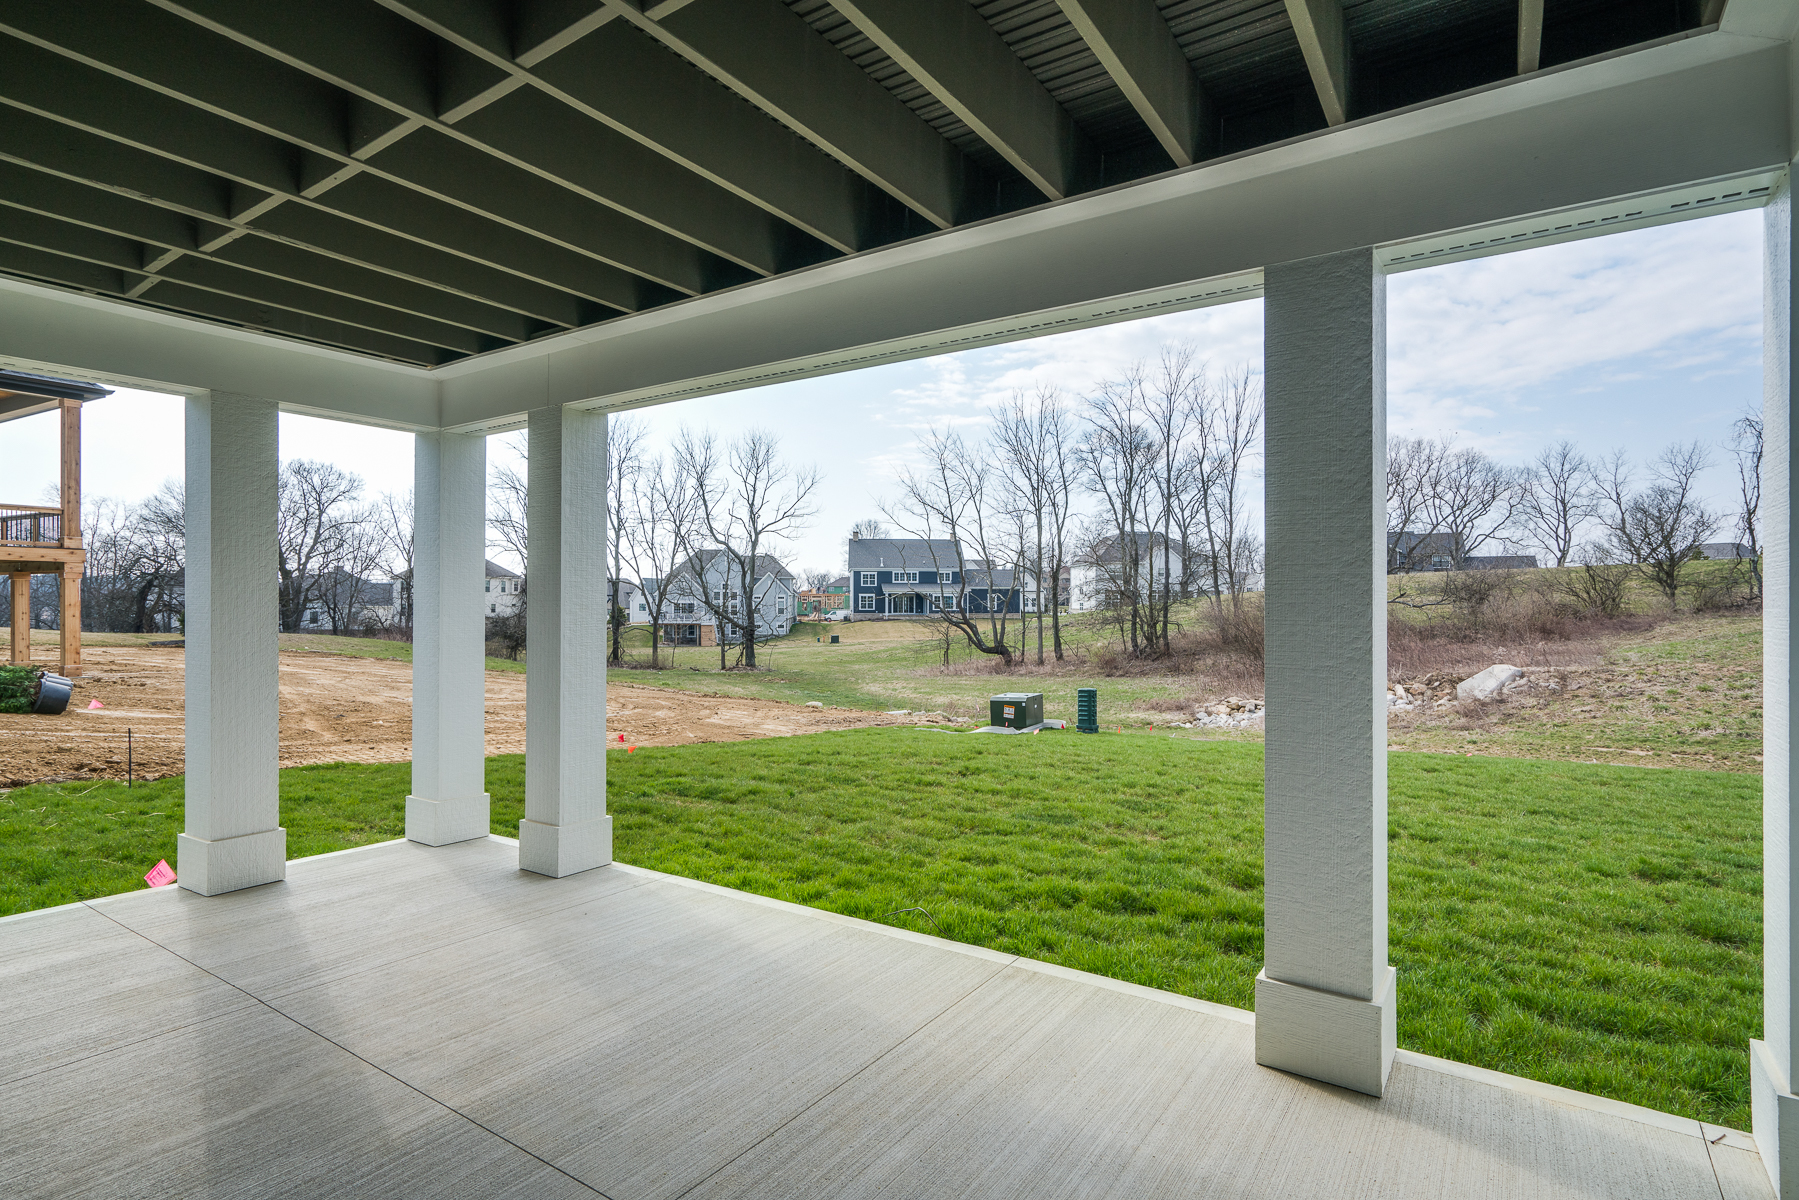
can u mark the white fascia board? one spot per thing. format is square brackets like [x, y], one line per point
[58, 332]
[1637, 125]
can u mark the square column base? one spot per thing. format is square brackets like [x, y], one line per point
[1325, 1036]
[228, 864]
[1775, 1120]
[442, 822]
[558, 850]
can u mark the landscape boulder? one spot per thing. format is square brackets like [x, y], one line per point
[1486, 685]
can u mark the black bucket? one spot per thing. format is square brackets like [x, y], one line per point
[51, 696]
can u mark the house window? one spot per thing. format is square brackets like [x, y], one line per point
[489, 586]
[905, 577]
[781, 604]
[946, 577]
[865, 603]
[868, 579]
[684, 608]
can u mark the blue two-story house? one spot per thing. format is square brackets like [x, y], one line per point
[915, 577]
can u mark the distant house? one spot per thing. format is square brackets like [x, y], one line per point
[1726, 550]
[341, 600]
[1099, 577]
[629, 595]
[505, 590]
[1409, 552]
[708, 583]
[915, 577]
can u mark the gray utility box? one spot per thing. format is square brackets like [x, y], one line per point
[1016, 710]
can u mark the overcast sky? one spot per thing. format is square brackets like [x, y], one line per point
[1629, 341]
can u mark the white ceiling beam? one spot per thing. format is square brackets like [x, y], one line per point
[1323, 39]
[1138, 50]
[950, 49]
[1530, 35]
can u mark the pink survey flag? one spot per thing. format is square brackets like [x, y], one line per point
[95, 704]
[161, 875]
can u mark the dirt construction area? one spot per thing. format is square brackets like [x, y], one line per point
[340, 709]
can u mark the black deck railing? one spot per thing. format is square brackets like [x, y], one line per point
[30, 525]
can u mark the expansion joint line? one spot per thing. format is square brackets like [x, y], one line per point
[359, 1058]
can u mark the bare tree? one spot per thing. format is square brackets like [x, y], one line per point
[1231, 424]
[1030, 436]
[507, 528]
[816, 580]
[1658, 528]
[658, 530]
[947, 500]
[343, 587]
[746, 501]
[1119, 453]
[870, 527]
[393, 526]
[1746, 449]
[1412, 468]
[318, 515]
[624, 466]
[1451, 500]
[1557, 498]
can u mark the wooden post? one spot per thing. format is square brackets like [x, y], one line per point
[69, 592]
[21, 616]
[70, 577]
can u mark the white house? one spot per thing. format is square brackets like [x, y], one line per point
[503, 591]
[1101, 572]
[703, 605]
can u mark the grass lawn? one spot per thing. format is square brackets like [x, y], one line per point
[1591, 926]
[899, 664]
[1685, 694]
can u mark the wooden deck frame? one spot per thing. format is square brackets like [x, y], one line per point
[66, 556]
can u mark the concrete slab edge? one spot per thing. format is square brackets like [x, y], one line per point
[139, 892]
[1584, 1100]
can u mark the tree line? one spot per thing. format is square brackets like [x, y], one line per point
[334, 549]
[1451, 507]
[703, 529]
[1139, 489]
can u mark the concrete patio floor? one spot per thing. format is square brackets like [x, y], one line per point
[405, 1021]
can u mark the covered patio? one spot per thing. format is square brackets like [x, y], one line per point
[459, 219]
[397, 1020]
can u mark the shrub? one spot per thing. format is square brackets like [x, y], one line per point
[16, 685]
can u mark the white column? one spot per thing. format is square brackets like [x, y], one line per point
[234, 837]
[566, 828]
[1324, 999]
[1771, 1065]
[449, 801]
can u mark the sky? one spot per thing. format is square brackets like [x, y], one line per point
[1629, 341]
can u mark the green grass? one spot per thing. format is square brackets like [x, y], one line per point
[1590, 926]
[899, 664]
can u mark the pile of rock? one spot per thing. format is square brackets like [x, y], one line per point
[1232, 712]
[1438, 690]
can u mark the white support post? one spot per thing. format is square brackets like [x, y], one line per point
[1774, 1106]
[449, 801]
[1325, 999]
[566, 828]
[234, 837]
